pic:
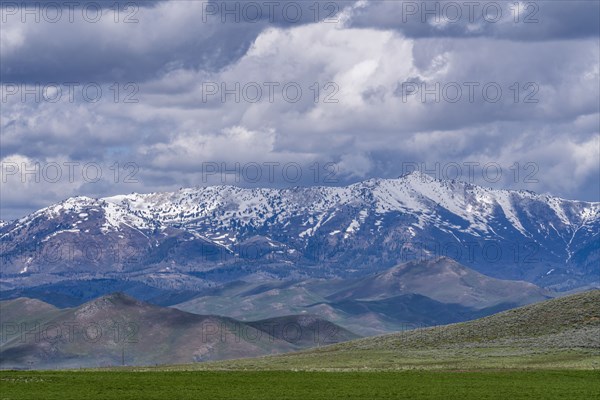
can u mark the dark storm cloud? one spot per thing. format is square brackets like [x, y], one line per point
[526, 20]
[103, 51]
[142, 41]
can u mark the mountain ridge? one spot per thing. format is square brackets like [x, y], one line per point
[195, 238]
[372, 305]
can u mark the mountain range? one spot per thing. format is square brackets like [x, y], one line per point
[195, 239]
[375, 257]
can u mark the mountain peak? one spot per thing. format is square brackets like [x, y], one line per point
[432, 267]
[118, 298]
[416, 174]
[444, 280]
[175, 231]
[110, 301]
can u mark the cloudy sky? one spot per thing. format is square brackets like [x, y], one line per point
[99, 99]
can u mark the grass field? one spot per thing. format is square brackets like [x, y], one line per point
[481, 359]
[280, 385]
[548, 350]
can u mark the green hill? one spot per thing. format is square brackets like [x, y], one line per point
[558, 333]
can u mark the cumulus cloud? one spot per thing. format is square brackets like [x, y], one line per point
[358, 96]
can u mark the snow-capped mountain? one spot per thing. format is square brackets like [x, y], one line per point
[198, 236]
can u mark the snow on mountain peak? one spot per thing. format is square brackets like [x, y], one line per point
[415, 193]
[80, 208]
[368, 224]
[217, 210]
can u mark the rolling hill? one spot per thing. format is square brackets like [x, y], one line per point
[117, 329]
[414, 294]
[557, 333]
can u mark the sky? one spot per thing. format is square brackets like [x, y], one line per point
[101, 98]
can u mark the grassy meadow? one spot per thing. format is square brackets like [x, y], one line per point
[284, 385]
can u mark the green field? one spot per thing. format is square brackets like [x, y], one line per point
[480, 359]
[548, 350]
[280, 385]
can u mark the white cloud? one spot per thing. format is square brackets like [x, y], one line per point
[369, 131]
